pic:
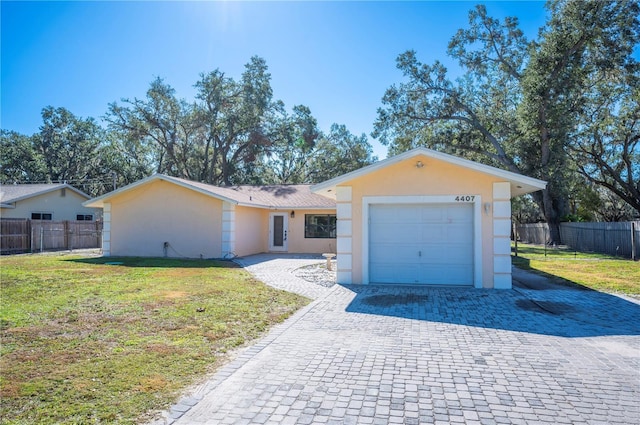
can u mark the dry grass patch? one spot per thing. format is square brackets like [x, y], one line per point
[88, 342]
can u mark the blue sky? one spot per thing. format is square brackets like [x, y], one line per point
[335, 57]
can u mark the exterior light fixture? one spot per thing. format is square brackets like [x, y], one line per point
[293, 214]
[419, 164]
[487, 207]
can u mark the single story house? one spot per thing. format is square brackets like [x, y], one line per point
[173, 217]
[421, 217]
[52, 201]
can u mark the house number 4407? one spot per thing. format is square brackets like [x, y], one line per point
[465, 198]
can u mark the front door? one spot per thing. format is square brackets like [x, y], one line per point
[278, 229]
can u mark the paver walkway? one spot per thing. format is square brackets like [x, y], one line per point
[380, 354]
[277, 271]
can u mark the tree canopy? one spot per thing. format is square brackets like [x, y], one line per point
[524, 105]
[232, 132]
[563, 107]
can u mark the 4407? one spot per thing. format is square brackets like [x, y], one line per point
[465, 198]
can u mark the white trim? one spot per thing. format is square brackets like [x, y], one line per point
[501, 190]
[106, 230]
[343, 193]
[501, 222]
[344, 245]
[501, 246]
[285, 230]
[343, 210]
[367, 201]
[501, 264]
[95, 202]
[502, 209]
[344, 277]
[228, 236]
[502, 281]
[501, 227]
[346, 262]
[53, 188]
[523, 184]
[343, 227]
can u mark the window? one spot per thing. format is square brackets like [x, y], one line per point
[41, 216]
[84, 217]
[319, 226]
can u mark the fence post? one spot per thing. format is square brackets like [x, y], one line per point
[633, 241]
[65, 229]
[41, 238]
[30, 237]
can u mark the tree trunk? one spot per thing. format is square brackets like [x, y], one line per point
[551, 213]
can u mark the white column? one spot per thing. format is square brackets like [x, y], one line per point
[228, 230]
[344, 235]
[502, 235]
[106, 229]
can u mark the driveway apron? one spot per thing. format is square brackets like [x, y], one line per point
[415, 355]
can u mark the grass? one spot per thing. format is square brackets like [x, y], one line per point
[88, 342]
[594, 271]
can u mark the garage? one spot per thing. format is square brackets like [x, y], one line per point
[425, 218]
[430, 244]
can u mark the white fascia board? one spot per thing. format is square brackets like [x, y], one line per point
[527, 184]
[99, 201]
[78, 191]
[199, 190]
[52, 189]
[285, 207]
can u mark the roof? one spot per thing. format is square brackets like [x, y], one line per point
[10, 193]
[520, 184]
[268, 196]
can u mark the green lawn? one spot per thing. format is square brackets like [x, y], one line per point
[594, 271]
[88, 342]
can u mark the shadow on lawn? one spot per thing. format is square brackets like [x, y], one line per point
[156, 262]
[548, 281]
[563, 311]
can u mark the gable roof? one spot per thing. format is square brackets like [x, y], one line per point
[267, 196]
[520, 184]
[11, 193]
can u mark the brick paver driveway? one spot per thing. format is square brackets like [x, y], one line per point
[379, 354]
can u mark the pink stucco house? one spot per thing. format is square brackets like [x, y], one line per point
[421, 217]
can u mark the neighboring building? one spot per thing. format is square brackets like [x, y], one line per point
[53, 201]
[421, 217]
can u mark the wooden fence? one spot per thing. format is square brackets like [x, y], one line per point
[619, 239]
[22, 235]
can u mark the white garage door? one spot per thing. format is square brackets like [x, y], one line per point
[421, 243]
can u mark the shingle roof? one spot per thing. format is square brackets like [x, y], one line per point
[10, 193]
[272, 196]
[268, 196]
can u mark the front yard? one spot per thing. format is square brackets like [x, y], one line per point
[595, 271]
[85, 341]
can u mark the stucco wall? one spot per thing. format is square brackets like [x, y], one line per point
[405, 179]
[299, 244]
[252, 232]
[141, 220]
[62, 207]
